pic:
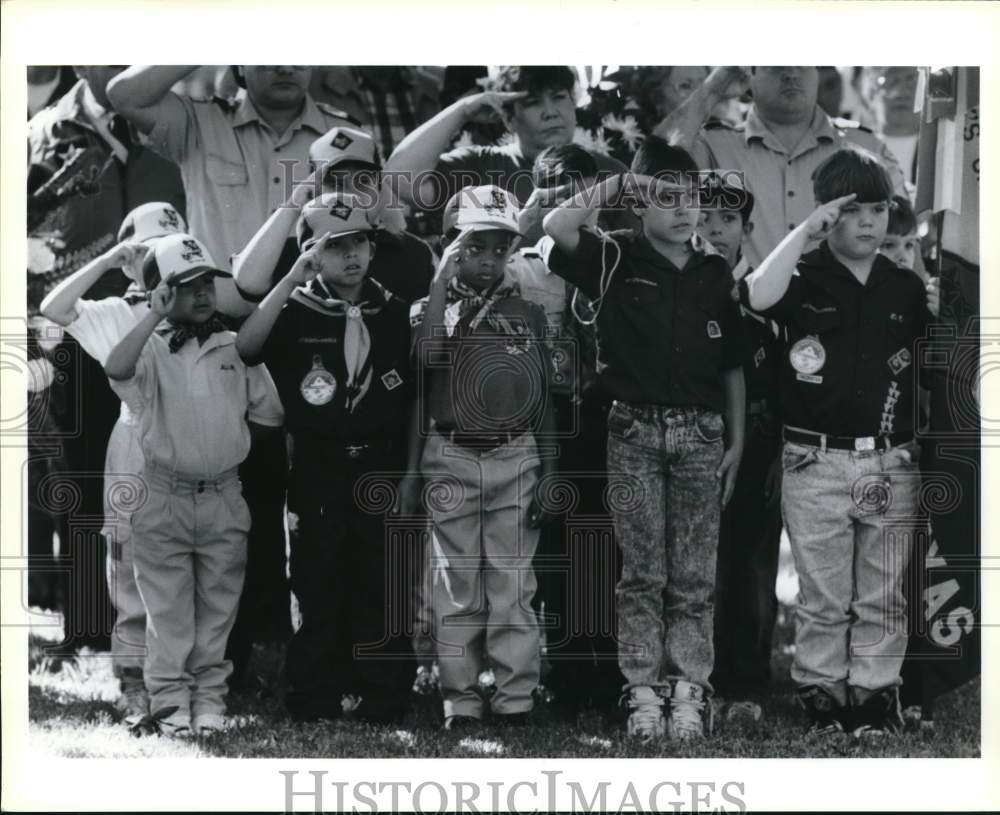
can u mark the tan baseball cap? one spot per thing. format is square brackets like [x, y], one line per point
[149, 221]
[330, 216]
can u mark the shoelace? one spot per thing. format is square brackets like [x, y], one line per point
[686, 715]
[644, 716]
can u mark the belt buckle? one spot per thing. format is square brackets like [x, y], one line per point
[865, 443]
[354, 450]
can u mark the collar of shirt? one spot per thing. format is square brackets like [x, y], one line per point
[700, 250]
[742, 268]
[217, 340]
[311, 117]
[820, 129]
[100, 119]
[823, 260]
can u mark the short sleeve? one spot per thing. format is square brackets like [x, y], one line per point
[583, 268]
[174, 133]
[263, 404]
[139, 388]
[101, 324]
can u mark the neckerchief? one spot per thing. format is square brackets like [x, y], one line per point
[357, 342]
[180, 333]
[463, 300]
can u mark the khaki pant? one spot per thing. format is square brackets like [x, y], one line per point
[483, 581]
[123, 490]
[190, 555]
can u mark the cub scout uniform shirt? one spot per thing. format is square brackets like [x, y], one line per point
[305, 355]
[781, 181]
[851, 350]
[664, 335]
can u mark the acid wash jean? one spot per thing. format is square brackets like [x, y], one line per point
[851, 518]
[664, 499]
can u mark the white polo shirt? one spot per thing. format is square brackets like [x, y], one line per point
[195, 404]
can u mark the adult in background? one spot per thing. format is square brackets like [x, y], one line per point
[239, 159]
[537, 103]
[786, 136]
[388, 100]
[86, 171]
[894, 94]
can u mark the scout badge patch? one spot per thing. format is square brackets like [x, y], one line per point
[807, 357]
[900, 361]
[713, 329]
[391, 380]
[318, 386]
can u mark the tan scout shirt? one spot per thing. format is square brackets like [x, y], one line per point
[236, 171]
[781, 182]
[195, 404]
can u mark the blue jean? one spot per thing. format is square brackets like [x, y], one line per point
[851, 519]
[664, 498]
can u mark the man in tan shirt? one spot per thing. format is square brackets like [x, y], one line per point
[238, 158]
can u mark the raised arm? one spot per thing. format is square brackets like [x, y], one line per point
[258, 326]
[60, 303]
[142, 94]
[253, 267]
[121, 361]
[768, 284]
[681, 125]
[422, 148]
[564, 223]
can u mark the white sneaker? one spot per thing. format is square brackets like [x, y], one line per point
[208, 723]
[690, 716]
[176, 727]
[350, 702]
[743, 712]
[646, 721]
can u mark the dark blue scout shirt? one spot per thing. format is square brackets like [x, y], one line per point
[664, 335]
[482, 381]
[850, 355]
[762, 359]
[403, 264]
[307, 340]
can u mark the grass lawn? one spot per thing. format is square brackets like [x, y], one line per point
[72, 714]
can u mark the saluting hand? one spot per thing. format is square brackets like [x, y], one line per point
[163, 298]
[307, 266]
[820, 224]
[305, 191]
[728, 82]
[126, 254]
[450, 259]
[934, 296]
[492, 99]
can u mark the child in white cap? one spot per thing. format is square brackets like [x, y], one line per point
[483, 402]
[195, 399]
[99, 325]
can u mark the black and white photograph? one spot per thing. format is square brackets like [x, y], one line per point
[487, 411]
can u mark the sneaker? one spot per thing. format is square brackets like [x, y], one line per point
[176, 727]
[826, 715]
[134, 701]
[208, 724]
[914, 720]
[690, 714]
[645, 719]
[743, 712]
[878, 715]
[350, 702]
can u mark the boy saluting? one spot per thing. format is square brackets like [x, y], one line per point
[338, 346]
[851, 482]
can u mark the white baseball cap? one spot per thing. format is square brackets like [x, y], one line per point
[477, 209]
[178, 259]
[149, 221]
